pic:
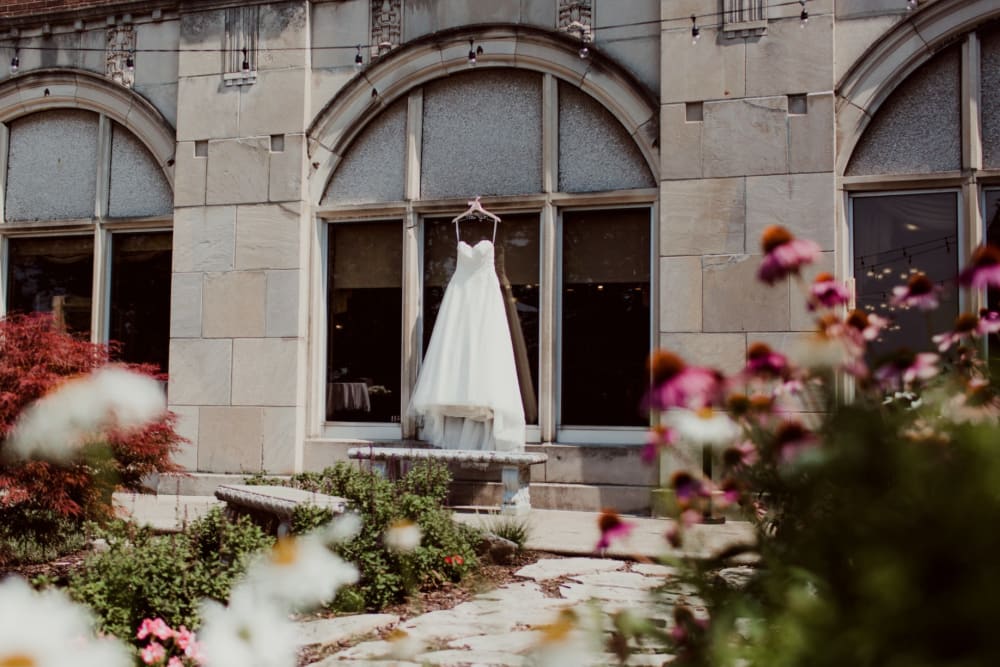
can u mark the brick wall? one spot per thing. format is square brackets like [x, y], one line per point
[29, 8]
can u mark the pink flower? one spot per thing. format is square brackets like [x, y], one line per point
[612, 528]
[784, 254]
[686, 487]
[827, 292]
[731, 492]
[153, 653]
[906, 367]
[763, 361]
[918, 292]
[690, 517]
[966, 324]
[984, 268]
[677, 385]
[792, 439]
[175, 662]
[156, 627]
[658, 438]
[742, 454]
[183, 638]
[866, 327]
[989, 322]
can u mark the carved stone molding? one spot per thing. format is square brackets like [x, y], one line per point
[744, 18]
[577, 18]
[387, 26]
[240, 45]
[120, 49]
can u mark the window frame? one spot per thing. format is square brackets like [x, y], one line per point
[100, 226]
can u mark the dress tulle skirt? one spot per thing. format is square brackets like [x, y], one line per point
[467, 395]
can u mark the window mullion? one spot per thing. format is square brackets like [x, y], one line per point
[971, 221]
[4, 144]
[103, 167]
[547, 316]
[412, 338]
[100, 308]
[550, 134]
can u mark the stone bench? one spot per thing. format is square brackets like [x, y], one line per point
[515, 467]
[274, 505]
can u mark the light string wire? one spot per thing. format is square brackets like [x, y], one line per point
[15, 42]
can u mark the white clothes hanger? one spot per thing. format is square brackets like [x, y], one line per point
[476, 212]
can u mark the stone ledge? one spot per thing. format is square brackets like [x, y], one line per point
[449, 455]
[279, 501]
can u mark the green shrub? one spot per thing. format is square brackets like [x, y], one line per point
[513, 528]
[143, 575]
[386, 575]
[38, 536]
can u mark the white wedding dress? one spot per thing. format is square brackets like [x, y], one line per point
[467, 393]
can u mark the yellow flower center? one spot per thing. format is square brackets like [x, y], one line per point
[285, 552]
[558, 631]
[706, 412]
[17, 660]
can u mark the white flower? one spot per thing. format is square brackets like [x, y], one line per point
[707, 426]
[57, 424]
[247, 633]
[48, 630]
[342, 529]
[298, 572]
[819, 351]
[404, 646]
[403, 535]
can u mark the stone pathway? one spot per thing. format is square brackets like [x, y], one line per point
[503, 626]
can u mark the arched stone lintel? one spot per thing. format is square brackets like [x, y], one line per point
[888, 62]
[74, 89]
[441, 54]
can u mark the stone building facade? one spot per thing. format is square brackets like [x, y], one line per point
[258, 195]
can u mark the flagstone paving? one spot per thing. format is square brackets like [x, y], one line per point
[503, 626]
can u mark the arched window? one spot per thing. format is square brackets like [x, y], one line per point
[85, 227]
[574, 251]
[923, 183]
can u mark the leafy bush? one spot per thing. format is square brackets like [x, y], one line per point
[39, 538]
[514, 528]
[34, 358]
[387, 575]
[143, 575]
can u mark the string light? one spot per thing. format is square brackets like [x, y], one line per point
[804, 16]
[695, 30]
[358, 59]
[246, 61]
[15, 63]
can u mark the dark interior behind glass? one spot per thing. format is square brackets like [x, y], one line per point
[140, 296]
[53, 275]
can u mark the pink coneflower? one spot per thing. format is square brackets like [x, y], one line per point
[827, 292]
[906, 367]
[731, 490]
[791, 440]
[612, 528]
[784, 254]
[677, 385]
[741, 454]
[989, 322]
[918, 292]
[687, 488]
[659, 437]
[983, 269]
[866, 326]
[762, 361]
[966, 325]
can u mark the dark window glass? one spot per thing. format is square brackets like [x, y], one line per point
[53, 275]
[140, 296]
[516, 259]
[364, 306]
[991, 214]
[605, 317]
[896, 236]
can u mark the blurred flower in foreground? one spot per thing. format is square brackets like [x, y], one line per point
[573, 639]
[919, 292]
[298, 572]
[705, 426]
[827, 292]
[658, 438]
[57, 424]
[48, 630]
[612, 528]
[247, 634]
[343, 528]
[404, 646]
[762, 361]
[983, 269]
[966, 324]
[792, 440]
[905, 367]
[675, 384]
[784, 255]
[403, 535]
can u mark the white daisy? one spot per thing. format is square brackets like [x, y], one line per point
[342, 529]
[49, 630]
[247, 633]
[706, 426]
[403, 535]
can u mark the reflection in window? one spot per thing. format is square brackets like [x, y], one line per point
[605, 316]
[364, 306]
[53, 275]
[140, 296]
[516, 258]
[896, 236]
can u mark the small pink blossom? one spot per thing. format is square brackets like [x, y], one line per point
[792, 439]
[175, 662]
[156, 627]
[658, 438]
[989, 322]
[183, 638]
[784, 255]
[741, 454]
[153, 653]
[905, 368]
[612, 528]
[966, 325]
[677, 385]
[762, 361]
[984, 268]
[919, 292]
[827, 292]
[686, 487]
[690, 517]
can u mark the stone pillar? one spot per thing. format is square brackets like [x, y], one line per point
[237, 352]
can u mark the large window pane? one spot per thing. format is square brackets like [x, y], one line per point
[140, 296]
[516, 259]
[605, 316]
[53, 275]
[896, 236]
[364, 306]
[991, 214]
